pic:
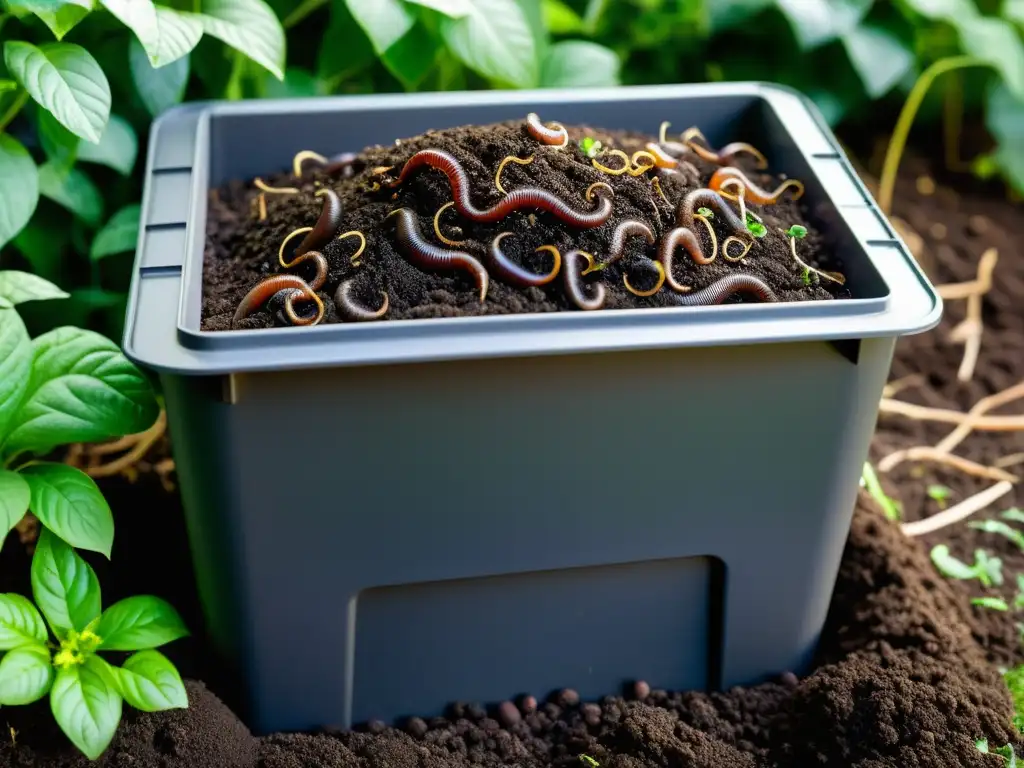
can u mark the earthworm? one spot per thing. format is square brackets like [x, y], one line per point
[512, 272]
[326, 226]
[319, 262]
[706, 198]
[574, 286]
[727, 176]
[556, 137]
[348, 309]
[501, 167]
[331, 165]
[723, 288]
[526, 197]
[625, 230]
[303, 156]
[265, 289]
[639, 170]
[425, 255]
[680, 236]
[672, 148]
[650, 291]
[661, 158]
[261, 185]
[341, 162]
[294, 317]
[726, 154]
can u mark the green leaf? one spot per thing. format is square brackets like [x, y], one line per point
[82, 389]
[296, 84]
[1014, 10]
[17, 287]
[119, 235]
[1004, 117]
[1002, 529]
[949, 565]
[86, 705]
[149, 681]
[19, 188]
[14, 498]
[117, 149]
[412, 58]
[997, 42]
[816, 22]
[61, 17]
[454, 9]
[165, 34]
[560, 19]
[249, 26]
[1014, 515]
[878, 57]
[383, 21]
[65, 79]
[26, 675]
[15, 367]
[989, 569]
[59, 144]
[64, 586]
[20, 623]
[139, 623]
[729, 14]
[868, 479]
[68, 503]
[495, 41]
[72, 190]
[994, 603]
[345, 49]
[159, 89]
[579, 64]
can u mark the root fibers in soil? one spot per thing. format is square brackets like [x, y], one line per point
[906, 673]
[241, 250]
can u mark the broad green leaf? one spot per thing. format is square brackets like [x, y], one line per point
[86, 705]
[149, 681]
[72, 190]
[82, 389]
[14, 498]
[997, 42]
[951, 566]
[297, 83]
[19, 188]
[15, 368]
[454, 9]
[560, 19]
[580, 64]
[345, 49]
[816, 22]
[159, 89]
[117, 149]
[1014, 10]
[65, 79]
[26, 675]
[62, 17]
[163, 33]
[495, 41]
[20, 623]
[119, 235]
[64, 586]
[729, 14]
[383, 21]
[18, 287]
[412, 58]
[68, 503]
[249, 26]
[942, 9]
[879, 58]
[59, 144]
[139, 623]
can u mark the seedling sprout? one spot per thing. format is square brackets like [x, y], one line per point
[869, 480]
[940, 494]
[757, 229]
[986, 569]
[1000, 528]
[1013, 514]
[797, 232]
[588, 761]
[590, 146]
[707, 213]
[995, 603]
[1006, 752]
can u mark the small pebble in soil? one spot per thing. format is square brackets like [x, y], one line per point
[789, 679]
[508, 714]
[925, 185]
[376, 726]
[641, 690]
[978, 224]
[567, 697]
[591, 714]
[528, 705]
[476, 712]
[937, 230]
[416, 727]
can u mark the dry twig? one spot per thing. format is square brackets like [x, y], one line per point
[907, 382]
[945, 416]
[958, 512]
[968, 332]
[927, 453]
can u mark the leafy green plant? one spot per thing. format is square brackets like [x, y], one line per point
[590, 146]
[755, 227]
[71, 385]
[1005, 751]
[869, 480]
[986, 569]
[707, 213]
[1013, 514]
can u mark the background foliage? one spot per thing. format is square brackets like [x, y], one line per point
[84, 78]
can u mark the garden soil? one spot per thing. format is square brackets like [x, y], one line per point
[907, 669]
[241, 250]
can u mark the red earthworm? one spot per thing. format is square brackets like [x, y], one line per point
[326, 226]
[525, 197]
[574, 286]
[666, 249]
[661, 158]
[513, 273]
[726, 154]
[727, 176]
[265, 289]
[428, 256]
[348, 309]
[331, 165]
[725, 287]
[625, 230]
[557, 137]
[318, 261]
[294, 317]
[706, 198]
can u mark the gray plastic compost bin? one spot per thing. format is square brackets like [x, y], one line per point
[388, 517]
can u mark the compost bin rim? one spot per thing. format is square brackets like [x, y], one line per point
[182, 349]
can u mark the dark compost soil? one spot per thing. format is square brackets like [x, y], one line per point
[241, 249]
[906, 673]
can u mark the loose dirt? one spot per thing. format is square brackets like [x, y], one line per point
[241, 250]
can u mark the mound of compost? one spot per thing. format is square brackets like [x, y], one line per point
[242, 248]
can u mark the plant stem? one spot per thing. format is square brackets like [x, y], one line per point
[304, 9]
[14, 109]
[893, 153]
[233, 90]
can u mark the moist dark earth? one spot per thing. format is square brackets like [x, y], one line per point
[241, 250]
[907, 672]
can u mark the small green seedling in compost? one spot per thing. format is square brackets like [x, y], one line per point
[1013, 514]
[986, 569]
[1018, 600]
[707, 213]
[797, 231]
[590, 146]
[940, 494]
[756, 228]
[1014, 679]
[995, 603]
[1006, 752]
[869, 480]
[588, 761]
[1000, 528]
